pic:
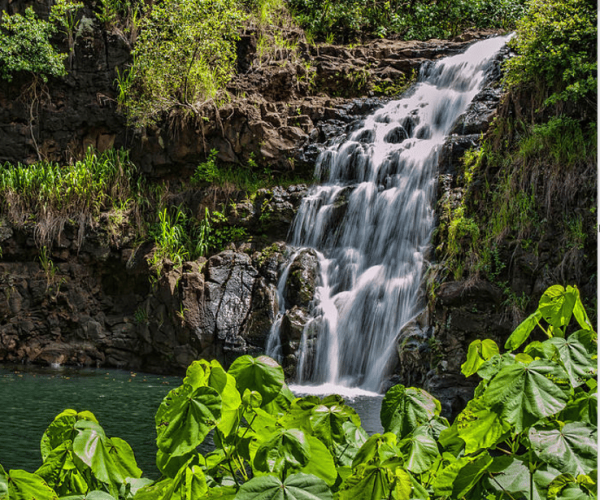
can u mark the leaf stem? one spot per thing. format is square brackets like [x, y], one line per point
[501, 487]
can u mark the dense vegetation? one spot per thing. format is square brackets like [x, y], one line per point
[529, 432]
[534, 174]
[352, 20]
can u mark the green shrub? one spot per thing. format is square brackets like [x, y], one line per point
[347, 20]
[184, 55]
[561, 139]
[25, 47]
[97, 182]
[556, 49]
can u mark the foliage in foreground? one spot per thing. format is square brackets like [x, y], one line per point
[529, 433]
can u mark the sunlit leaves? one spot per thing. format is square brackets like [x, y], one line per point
[283, 450]
[62, 429]
[555, 45]
[523, 394]
[25, 47]
[22, 485]
[374, 481]
[404, 409]
[260, 374]
[479, 427]
[184, 55]
[572, 449]
[420, 449]
[479, 352]
[110, 459]
[522, 332]
[60, 471]
[187, 419]
[575, 359]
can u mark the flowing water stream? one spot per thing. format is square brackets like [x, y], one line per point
[370, 223]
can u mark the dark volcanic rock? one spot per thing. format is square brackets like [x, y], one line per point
[302, 279]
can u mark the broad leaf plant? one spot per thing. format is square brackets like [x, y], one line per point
[529, 433]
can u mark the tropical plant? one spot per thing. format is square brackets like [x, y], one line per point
[348, 20]
[556, 50]
[529, 433]
[184, 55]
[65, 13]
[25, 47]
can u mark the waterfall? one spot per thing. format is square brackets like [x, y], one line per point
[371, 220]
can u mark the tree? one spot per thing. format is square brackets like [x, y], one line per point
[184, 55]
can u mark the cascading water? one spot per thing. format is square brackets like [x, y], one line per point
[382, 179]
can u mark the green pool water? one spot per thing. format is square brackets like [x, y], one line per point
[124, 403]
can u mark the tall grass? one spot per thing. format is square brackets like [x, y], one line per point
[49, 194]
[86, 187]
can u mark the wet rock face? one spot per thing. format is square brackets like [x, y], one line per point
[99, 307]
[302, 279]
[432, 347]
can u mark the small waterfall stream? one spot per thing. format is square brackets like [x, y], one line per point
[370, 223]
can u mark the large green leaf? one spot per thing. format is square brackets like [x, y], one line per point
[511, 474]
[580, 314]
[61, 473]
[62, 429]
[378, 448]
[492, 366]
[187, 419]
[479, 352]
[556, 306]
[23, 485]
[373, 482]
[295, 487]
[231, 403]
[420, 449]
[574, 358]
[111, 460]
[355, 436]
[522, 332]
[189, 483]
[261, 374]
[523, 394]
[571, 449]
[202, 373]
[283, 450]
[460, 476]
[321, 462]
[404, 409]
[479, 427]
[327, 422]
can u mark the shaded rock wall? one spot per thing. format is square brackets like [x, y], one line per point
[95, 301]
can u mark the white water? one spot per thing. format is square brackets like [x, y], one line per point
[371, 261]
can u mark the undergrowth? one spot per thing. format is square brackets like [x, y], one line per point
[530, 186]
[48, 194]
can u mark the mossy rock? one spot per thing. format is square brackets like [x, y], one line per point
[302, 279]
